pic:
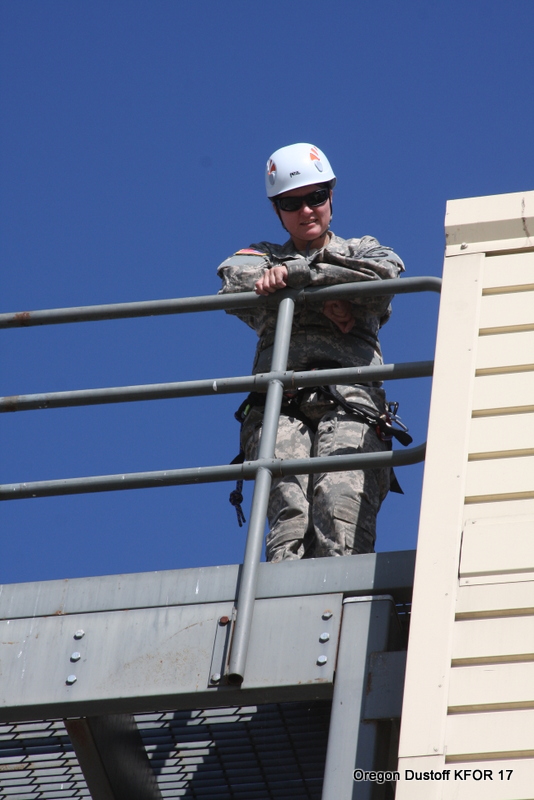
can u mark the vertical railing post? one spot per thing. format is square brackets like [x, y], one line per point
[260, 499]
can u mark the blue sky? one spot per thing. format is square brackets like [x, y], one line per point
[133, 139]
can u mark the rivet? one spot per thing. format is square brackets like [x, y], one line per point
[71, 679]
[224, 620]
[327, 615]
[216, 677]
[463, 246]
[75, 657]
[79, 634]
[322, 660]
[324, 637]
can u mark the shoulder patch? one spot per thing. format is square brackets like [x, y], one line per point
[248, 251]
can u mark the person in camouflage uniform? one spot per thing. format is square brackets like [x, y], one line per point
[330, 514]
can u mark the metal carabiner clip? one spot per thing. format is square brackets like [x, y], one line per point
[392, 416]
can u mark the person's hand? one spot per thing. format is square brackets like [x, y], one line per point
[340, 312]
[272, 280]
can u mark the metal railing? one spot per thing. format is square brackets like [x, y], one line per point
[266, 466]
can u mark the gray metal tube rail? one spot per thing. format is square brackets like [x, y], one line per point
[184, 305]
[217, 474]
[260, 498]
[246, 383]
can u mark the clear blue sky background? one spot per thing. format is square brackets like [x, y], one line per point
[133, 139]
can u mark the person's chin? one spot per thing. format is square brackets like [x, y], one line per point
[310, 232]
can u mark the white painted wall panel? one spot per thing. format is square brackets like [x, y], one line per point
[518, 787]
[491, 640]
[506, 637]
[496, 510]
[505, 350]
[490, 732]
[408, 789]
[513, 269]
[500, 476]
[500, 433]
[496, 547]
[482, 219]
[496, 598]
[490, 685]
[507, 310]
[431, 630]
[512, 391]
[495, 579]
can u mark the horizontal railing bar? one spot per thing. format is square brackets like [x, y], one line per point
[245, 383]
[183, 305]
[216, 474]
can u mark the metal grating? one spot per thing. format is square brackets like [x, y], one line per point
[37, 761]
[269, 752]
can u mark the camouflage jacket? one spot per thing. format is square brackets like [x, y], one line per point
[315, 339]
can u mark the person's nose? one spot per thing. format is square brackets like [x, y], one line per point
[306, 210]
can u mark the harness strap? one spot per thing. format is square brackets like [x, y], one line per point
[381, 423]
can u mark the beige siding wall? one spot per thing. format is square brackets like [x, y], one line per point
[469, 697]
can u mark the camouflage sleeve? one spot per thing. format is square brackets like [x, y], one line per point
[299, 273]
[239, 273]
[365, 259]
[356, 260]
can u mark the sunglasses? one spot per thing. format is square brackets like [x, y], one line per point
[312, 200]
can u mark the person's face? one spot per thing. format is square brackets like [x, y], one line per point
[308, 222]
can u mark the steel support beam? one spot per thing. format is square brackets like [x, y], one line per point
[141, 659]
[372, 573]
[112, 757]
[352, 741]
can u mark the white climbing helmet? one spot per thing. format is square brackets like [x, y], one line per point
[297, 165]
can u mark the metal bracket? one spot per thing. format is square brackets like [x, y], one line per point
[219, 657]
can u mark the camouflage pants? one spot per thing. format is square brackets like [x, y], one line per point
[328, 514]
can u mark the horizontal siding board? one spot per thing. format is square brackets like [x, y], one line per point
[500, 476]
[515, 269]
[490, 732]
[497, 546]
[503, 393]
[495, 510]
[496, 579]
[506, 310]
[509, 638]
[505, 351]
[496, 598]
[479, 219]
[519, 787]
[510, 432]
[491, 685]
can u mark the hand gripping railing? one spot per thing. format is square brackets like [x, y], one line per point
[266, 466]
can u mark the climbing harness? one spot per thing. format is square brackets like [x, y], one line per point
[388, 425]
